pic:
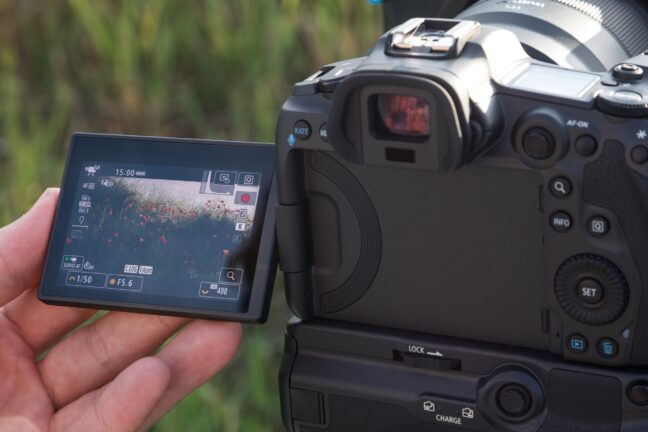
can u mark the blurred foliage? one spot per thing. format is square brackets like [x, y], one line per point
[203, 68]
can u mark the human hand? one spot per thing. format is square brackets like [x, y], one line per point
[103, 376]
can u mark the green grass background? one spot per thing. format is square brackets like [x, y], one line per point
[191, 68]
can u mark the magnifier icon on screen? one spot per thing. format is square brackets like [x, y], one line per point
[231, 275]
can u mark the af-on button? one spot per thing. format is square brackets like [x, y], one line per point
[586, 145]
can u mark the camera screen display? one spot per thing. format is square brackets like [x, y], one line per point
[559, 82]
[158, 234]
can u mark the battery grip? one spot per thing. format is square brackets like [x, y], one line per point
[352, 378]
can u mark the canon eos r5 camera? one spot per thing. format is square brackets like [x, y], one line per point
[481, 186]
[461, 218]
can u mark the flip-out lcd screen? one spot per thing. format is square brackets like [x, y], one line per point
[174, 226]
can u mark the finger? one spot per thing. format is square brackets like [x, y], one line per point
[24, 403]
[22, 247]
[40, 324]
[194, 356]
[100, 351]
[121, 405]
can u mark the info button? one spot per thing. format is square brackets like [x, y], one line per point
[561, 221]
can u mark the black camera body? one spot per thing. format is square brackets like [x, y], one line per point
[449, 184]
[520, 210]
[350, 378]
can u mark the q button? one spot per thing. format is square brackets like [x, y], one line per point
[560, 187]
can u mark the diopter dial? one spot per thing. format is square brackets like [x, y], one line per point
[591, 289]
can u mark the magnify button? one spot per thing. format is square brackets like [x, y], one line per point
[231, 275]
[560, 187]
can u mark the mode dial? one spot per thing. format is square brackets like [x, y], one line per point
[628, 72]
[591, 289]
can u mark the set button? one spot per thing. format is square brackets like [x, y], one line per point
[590, 292]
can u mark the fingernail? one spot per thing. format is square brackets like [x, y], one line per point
[44, 195]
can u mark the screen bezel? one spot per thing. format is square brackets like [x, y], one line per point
[174, 152]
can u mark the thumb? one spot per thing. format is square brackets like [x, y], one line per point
[22, 247]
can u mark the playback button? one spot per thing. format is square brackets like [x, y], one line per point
[577, 344]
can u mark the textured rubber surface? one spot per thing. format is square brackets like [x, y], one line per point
[358, 415]
[612, 184]
[370, 235]
[583, 403]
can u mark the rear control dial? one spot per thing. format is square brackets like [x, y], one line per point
[623, 103]
[591, 289]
